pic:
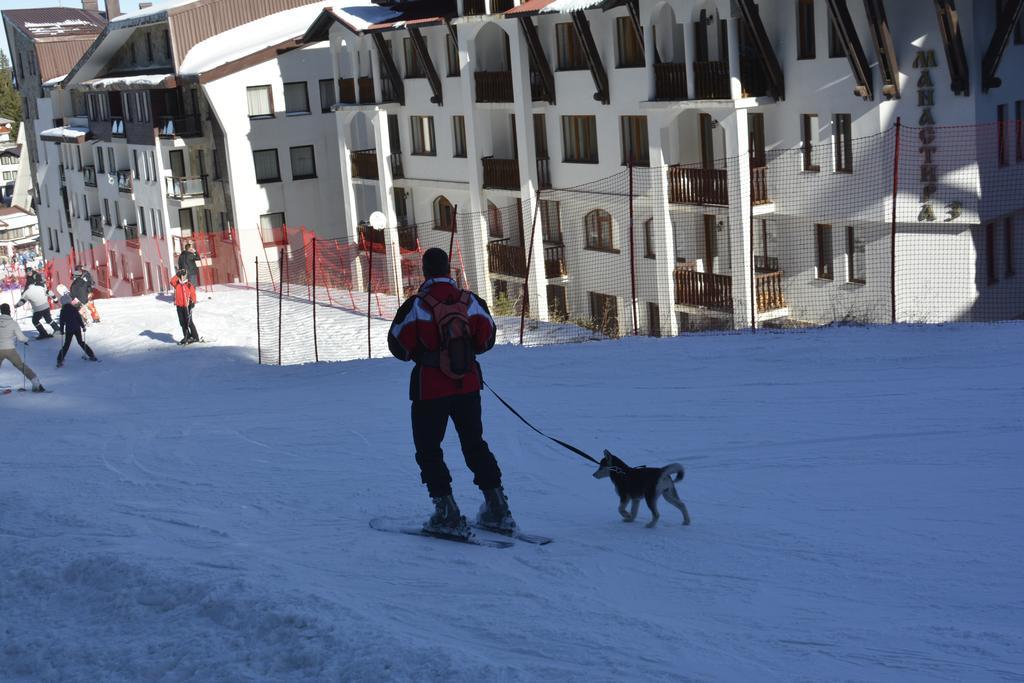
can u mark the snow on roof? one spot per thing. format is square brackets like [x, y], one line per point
[156, 9]
[54, 81]
[119, 82]
[566, 6]
[65, 134]
[361, 16]
[247, 39]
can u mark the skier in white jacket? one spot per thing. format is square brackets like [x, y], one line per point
[10, 333]
[39, 298]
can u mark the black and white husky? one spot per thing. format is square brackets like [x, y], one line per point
[634, 483]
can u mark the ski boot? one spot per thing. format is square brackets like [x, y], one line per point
[447, 520]
[494, 513]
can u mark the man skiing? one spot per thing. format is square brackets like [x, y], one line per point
[442, 329]
[185, 301]
[10, 333]
[71, 325]
[33, 277]
[81, 291]
[189, 261]
[39, 299]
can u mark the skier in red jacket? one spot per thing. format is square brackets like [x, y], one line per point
[185, 301]
[442, 329]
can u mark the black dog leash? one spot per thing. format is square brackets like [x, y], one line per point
[558, 441]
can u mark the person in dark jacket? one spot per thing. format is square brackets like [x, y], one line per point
[436, 397]
[81, 291]
[71, 326]
[189, 261]
[33, 277]
[185, 301]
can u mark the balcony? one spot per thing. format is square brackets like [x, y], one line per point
[670, 81]
[759, 185]
[138, 285]
[365, 86]
[96, 225]
[347, 91]
[711, 81]
[472, 8]
[688, 185]
[371, 239]
[131, 235]
[710, 290]
[554, 261]
[124, 181]
[180, 127]
[364, 164]
[396, 165]
[505, 259]
[63, 177]
[408, 238]
[89, 174]
[187, 188]
[117, 126]
[500, 6]
[493, 86]
[543, 174]
[501, 174]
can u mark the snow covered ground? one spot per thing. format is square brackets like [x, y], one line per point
[185, 514]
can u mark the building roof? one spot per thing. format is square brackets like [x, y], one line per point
[368, 17]
[13, 150]
[54, 23]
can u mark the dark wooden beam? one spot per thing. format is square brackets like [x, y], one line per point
[888, 66]
[1005, 24]
[452, 31]
[949, 29]
[419, 46]
[391, 71]
[772, 67]
[600, 76]
[634, 16]
[842, 22]
[538, 60]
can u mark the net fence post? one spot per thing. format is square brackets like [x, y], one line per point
[280, 301]
[892, 238]
[529, 264]
[259, 341]
[632, 254]
[755, 307]
[316, 346]
[369, 300]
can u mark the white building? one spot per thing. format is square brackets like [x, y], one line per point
[764, 132]
[19, 234]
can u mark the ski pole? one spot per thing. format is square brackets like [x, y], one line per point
[24, 362]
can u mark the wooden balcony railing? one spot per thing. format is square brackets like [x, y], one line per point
[707, 290]
[347, 91]
[543, 174]
[96, 225]
[711, 81]
[371, 239]
[131, 235]
[473, 8]
[688, 185]
[769, 292]
[187, 188]
[408, 238]
[759, 185]
[505, 259]
[501, 173]
[500, 6]
[180, 127]
[493, 86]
[554, 261]
[364, 164]
[365, 86]
[89, 174]
[670, 81]
[124, 181]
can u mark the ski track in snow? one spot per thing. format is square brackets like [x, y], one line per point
[182, 514]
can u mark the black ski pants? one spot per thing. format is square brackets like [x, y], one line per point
[429, 423]
[44, 314]
[77, 334]
[188, 327]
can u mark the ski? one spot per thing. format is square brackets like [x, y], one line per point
[516, 534]
[402, 527]
[94, 360]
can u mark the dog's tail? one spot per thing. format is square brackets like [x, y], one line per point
[677, 469]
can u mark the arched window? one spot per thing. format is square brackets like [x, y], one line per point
[598, 225]
[494, 227]
[444, 215]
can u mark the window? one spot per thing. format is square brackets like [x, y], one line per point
[653, 320]
[805, 29]
[843, 139]
[836, 49]
[579, 139]
[570, 49]
[413, 66]
[303, 162]
[444, 215]
[185, 222]
[142, 222]
[261, 101]
[327, 98]
[629, 45]
[267, 169]
[452, 50]
[1001, 136]
[823, 248]
[135, 164]
[423, 135]
[149, 47]
[990, 253]
[110, 159]
[158, 222]
[598, 227]
[633, 130]
[296, 98]
[494, 227]
[459, 136]
[551, 222]
[272, 229]
[604, 313]
[649, 238]
[100, 166]
[1019, 121]
[855, 267]
[1008, 244]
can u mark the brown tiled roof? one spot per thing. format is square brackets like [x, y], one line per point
[54, 23]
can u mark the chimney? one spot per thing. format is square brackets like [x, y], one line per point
[113, 9]
[145, 5]
[91, 6]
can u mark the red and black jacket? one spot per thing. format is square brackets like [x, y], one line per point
[184, 293]
[413, 336]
